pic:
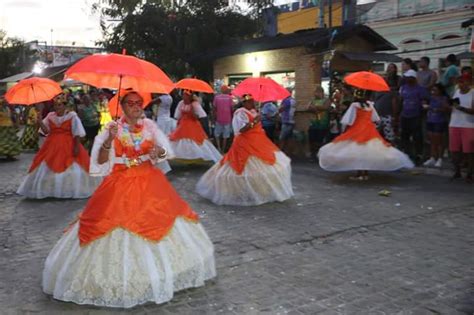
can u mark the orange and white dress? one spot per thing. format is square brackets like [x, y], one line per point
[189, 140]
[137, 240]
[55, 172]
[253, 172]
[361, 147]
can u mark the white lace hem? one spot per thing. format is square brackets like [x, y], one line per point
[373, 155]
[74, 182]
[187, 149]
[122, 269]
[259, 182]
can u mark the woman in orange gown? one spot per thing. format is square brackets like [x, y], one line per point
[60, 169]
[136, 241]
[189, 140]
[361, 147]
[254, 171]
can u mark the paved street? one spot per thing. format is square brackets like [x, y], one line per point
[336, 248]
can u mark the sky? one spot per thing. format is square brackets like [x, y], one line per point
[70, 20]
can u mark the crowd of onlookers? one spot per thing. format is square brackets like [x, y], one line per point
[426, 115]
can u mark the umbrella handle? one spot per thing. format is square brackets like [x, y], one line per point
[118, 98]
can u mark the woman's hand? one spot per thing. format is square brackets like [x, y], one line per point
[257, 119]
[157, 153]
[75, 150]
[113, 130]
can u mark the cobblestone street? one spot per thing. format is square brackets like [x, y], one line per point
[336, 248]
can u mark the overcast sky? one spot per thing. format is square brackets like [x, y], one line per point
[70, 20]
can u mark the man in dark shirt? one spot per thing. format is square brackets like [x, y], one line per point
[412, 96]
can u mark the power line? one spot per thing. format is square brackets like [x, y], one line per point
[432, 48]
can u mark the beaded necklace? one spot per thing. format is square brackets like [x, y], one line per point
[132, 137]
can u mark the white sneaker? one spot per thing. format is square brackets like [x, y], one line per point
[430, 162]
[439, 163]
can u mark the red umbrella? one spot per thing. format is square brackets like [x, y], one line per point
[367, 81]
[194, 85]
[262, 89]
[116, 71]
[33, 90]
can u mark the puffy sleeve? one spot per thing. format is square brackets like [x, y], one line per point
[77, 128]
[177, 112]
[198, 110]
[239, 120]
[375, 115]
[46, 120]
[95, 168]
[350, 115]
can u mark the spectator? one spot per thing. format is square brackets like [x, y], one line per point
[392, 77]
[426, 77]
[287, 111]
[466, 70]
[407, 64]
[222, 112]
[269, 114]
[334, 126]
[386, 107]
[90, 118]
[436, 124]
[450, 75]
[319, 124]
[412, 96]
[461, 127]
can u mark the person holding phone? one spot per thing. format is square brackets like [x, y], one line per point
[461, 127]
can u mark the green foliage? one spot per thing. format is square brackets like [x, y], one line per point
[15, 57]
[168, 32]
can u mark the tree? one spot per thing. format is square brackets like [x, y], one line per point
[15, 56]
[169, 32]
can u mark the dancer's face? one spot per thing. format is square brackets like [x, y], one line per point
[132, 106]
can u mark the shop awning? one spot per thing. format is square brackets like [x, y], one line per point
[371, 56]
[17, 77]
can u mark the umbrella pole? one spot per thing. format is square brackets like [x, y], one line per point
[118, 98]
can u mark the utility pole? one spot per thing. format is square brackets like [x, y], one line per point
[330, 13]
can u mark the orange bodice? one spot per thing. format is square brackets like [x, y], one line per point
[138, 199]
[57, 150]
[362, 130]
[189, 127]
[253, 142]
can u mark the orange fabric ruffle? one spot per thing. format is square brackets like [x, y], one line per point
[362, 130]
[138, 199]
[57, 150]
[189, 127]
[253, 142]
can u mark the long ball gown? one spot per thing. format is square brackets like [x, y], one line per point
[9, 144]
[361, 147]
[30, 137]
[55, 172]
[136, 241]
[189, 140]
[253, 172]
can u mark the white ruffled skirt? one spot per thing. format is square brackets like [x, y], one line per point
[373, 155]
[187, 149]
[259, 183]
[122, 269]
[166, 124]
[74, 182]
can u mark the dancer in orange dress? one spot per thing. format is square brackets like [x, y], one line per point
[189, 140]
[361, 147]
[254, 171]
[60, 169]
[136, 241]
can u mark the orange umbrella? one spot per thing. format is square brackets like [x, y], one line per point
[116, 71]
[367, 81]
[117, 111]
[194, 85]
[262, 89]
[32, 91]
